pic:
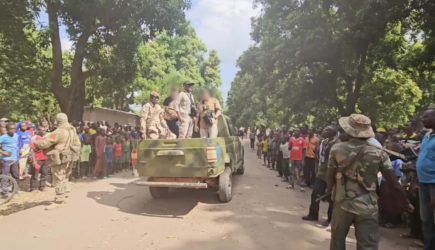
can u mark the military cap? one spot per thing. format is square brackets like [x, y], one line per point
[357, 125]
[188, 83]
[154, 93]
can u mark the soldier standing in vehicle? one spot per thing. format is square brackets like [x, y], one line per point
[209, 110]
[170, 114]
[62, 148]
[353, 167]
[186, 111]
[153, 125]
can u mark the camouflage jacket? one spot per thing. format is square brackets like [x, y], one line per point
[152, 117]
[64, 141]
[360, 177]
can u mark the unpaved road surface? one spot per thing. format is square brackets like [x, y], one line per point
[115, 214]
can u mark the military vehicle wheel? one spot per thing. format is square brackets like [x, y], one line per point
[225, 186]
[241, 169]
[159, 192]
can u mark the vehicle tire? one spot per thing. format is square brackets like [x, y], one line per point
[225, 186]
[159, 192]
[11, 185]
[241, 169]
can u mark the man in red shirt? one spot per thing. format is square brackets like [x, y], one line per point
[297, 146]
[39, 166]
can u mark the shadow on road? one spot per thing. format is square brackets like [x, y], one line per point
[134, 199]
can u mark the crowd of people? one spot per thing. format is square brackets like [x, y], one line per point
[368, 176]
[104, 149]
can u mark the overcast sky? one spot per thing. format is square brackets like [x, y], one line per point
[224, 25]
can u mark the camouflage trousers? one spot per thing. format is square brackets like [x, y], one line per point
[155, 133]
[366, 229]
[61, 175]
[185, 129]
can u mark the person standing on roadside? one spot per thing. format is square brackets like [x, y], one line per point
[209, 110]
[100, 144]
[319, 189]
[283, 170]
[10, 155]
[265, 147]
[24, 137]
[310, 158]
[426, 176]
[252, 138]
[39, 169]
[353, 168]
[186, 111]
[297, 146]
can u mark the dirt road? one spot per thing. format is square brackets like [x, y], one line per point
[115, 214]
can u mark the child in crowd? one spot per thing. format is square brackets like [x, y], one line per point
[259, 149]
[126, 153]
[39, 168]
[117, 154]
[109, 156]
[85, 152]
[284, 168]
[265, 147]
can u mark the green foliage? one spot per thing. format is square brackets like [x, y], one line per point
[170, 60]
[390, 97]
[317, 60]
[24, 64]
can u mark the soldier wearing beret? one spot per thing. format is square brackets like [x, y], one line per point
[153, 124]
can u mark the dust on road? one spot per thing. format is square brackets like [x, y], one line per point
[115, 214]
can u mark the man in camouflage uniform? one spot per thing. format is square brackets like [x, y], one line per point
[152, 121]
[353, 167]
[62, 148]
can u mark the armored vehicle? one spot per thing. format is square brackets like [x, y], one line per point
[195, 163]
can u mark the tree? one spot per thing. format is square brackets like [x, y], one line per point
[317, 60]
[170, 60]
[24, 64]
[92, 24]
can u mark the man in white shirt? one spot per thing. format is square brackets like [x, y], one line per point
[183, 107]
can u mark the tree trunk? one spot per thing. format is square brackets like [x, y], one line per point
[72, 99]
[354, 84]
[56, 72]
